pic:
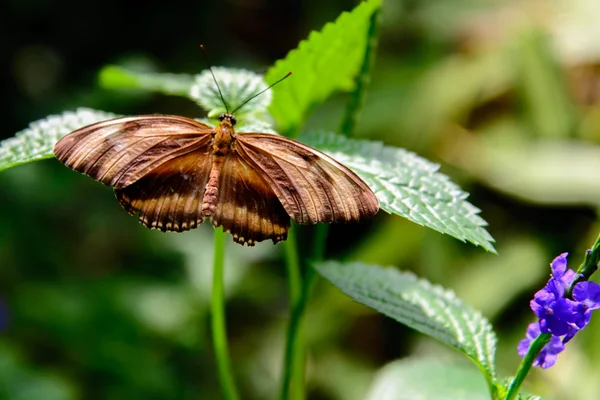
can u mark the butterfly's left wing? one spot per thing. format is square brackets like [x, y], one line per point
[119, 151]
[169, 197]
[311, 186]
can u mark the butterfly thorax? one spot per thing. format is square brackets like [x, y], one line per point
[224, 136]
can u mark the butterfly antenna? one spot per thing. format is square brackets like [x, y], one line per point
[261, 92]
[213, 75]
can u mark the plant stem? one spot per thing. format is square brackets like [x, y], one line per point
[320, 242]
[219, 333]
[292, 385]
[357, 97]
[534, 349]
[294, 363]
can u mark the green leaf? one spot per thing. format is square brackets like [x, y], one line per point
[428, 379]
[420, 305]
[325, 62]
[114, 77]
[37, 141]
[237, 86]
[503, 387]
[408, 185]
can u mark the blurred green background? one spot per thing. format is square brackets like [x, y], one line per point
[504, 95]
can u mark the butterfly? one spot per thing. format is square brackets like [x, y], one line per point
[174, 172]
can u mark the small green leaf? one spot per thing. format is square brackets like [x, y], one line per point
[37, 141]
[237, 86]
[503, 387]
[408, 185]
[114, 77]
[325, 62]
[420, 305]
[428, 379]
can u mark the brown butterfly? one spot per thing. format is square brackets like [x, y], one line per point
[175, 172]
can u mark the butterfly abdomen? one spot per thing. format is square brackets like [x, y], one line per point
[211, 194]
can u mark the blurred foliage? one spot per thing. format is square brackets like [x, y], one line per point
[506, 95]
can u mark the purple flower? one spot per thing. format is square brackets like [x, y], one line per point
[560, 316]
[557, 314]
[549, 354]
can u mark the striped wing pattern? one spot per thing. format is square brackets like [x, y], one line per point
[159, 166]
[311, 186]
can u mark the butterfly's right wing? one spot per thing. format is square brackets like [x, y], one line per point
[311, 186]
[120, 151]
[247, 207]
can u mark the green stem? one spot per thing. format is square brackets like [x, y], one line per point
[219, 334]
[294, 354]
[534, 349]
[295, 360]
[320, 242]
[357, 97]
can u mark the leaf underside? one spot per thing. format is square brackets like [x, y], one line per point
[37, 141]
[418, 304]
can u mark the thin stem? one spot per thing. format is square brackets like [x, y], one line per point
[219, 333]
[357, 97]
[534, 349]
[292, 260]
[295, 359]
[293, 346]
[320, 242]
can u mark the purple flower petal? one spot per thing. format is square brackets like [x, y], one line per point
[587, 293]
[559, 265]
[533, 331]
[549, 353]
[561, 276]
[570, 334]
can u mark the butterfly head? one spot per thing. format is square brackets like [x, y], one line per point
[229, 117]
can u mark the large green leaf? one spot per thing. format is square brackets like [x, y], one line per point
[37, 141]
[325, 62]
[420, 305]
[408, 185]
